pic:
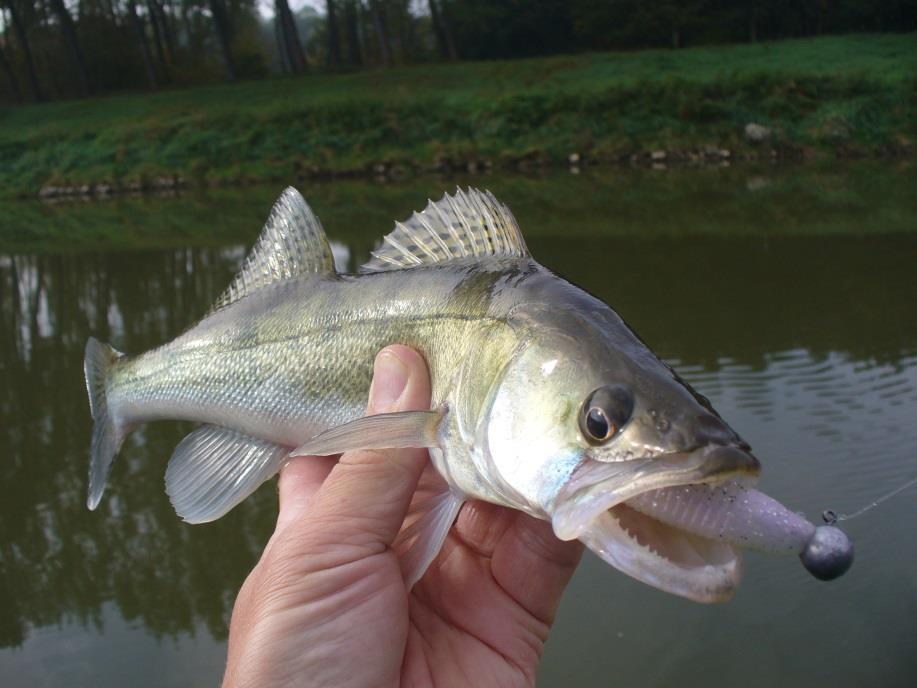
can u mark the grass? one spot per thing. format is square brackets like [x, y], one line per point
[857, 94]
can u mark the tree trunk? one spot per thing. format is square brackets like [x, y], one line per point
[438, 32]
[142, 43]
[385, 50]
[190, 25]
[157, 41]
[165, 26]
[108, 6]
[405, 30]
[10, 76]
[23, 38]
[446, 23]
[73, 43]
[334, 45]
[224, 36]
[291, 45]
[676, 38]
[281, 49]
[352, 32]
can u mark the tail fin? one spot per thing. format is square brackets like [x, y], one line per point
[106, 435]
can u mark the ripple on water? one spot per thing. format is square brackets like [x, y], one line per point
[850, 420]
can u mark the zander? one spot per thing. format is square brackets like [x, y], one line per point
[543, 400]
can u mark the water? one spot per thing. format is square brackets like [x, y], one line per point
[786, 296]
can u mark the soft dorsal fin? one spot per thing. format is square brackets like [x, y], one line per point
[292, 243]
[468, 224]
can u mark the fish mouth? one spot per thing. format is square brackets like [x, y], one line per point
[593, 507]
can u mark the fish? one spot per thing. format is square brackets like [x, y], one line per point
[543, 400]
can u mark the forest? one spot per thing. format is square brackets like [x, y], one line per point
[63, 49]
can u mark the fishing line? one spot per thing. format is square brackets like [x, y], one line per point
[831, 517]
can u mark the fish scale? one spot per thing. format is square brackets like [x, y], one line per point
[289, 379]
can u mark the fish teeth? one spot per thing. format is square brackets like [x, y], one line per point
[647, 547]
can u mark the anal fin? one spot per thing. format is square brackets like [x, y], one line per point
[213, 469]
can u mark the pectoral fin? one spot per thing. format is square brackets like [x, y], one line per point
[431, 515]
[428, 523]
[384, 431]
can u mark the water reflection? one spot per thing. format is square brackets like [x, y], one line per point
[866, 199]
[809, 347]
[59, 561]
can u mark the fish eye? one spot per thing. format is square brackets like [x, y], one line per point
[605, 412]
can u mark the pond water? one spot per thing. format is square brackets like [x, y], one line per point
[786, 295]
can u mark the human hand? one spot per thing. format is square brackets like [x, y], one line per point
[327, 603]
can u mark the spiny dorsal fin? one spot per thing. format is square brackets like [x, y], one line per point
[468, 224]
[292, 243]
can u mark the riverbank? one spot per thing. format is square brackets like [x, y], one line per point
[849, 96]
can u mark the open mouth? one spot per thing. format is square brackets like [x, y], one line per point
[666, 557]
[662, 520]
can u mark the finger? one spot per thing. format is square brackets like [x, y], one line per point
[534, 566]
[299, 480]
[364, 499]
[526, 559]
[401, 381]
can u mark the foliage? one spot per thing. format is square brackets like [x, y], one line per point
[151, 44]
[854, 93]
[178, 35]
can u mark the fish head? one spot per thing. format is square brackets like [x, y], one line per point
[585, 418]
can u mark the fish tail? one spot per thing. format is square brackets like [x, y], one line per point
[107, 434]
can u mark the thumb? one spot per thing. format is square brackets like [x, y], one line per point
[366, 495]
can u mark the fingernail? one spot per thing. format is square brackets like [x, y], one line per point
[390, 377]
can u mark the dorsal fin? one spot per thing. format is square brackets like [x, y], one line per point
[468, 224]
[292, 243]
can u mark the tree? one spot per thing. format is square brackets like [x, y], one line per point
[333, 60]
[385, 49]
[73, 43]
[488, 29]
[224, 36]
[159, 9]
[10, 76]
[442, 31]
[142, 43]
[158, 36]
[752, 10]
[352, 32]
[290, 47]
[23, 38]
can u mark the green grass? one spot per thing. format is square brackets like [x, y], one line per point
[854, 93]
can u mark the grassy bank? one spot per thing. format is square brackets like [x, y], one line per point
[853, 95]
